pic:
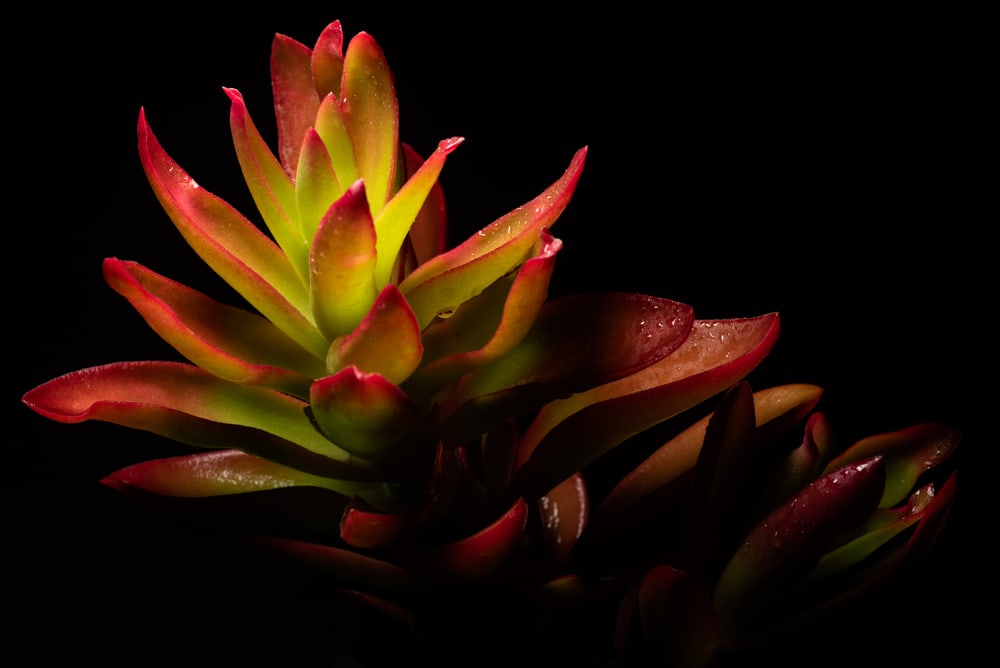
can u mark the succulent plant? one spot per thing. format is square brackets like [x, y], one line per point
[456, 421]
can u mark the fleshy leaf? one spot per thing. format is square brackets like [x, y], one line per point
[386, 342]
[363, 413]
[223, 472]
[231, 245]
[191, 406]
[332, 128]
[679, 455]
[781, 550]
[364, 527]
[328, 60]
[295, 99]
[552, 360]
[564, 512]
[445, 282]
[342, 264]
[429, 232]
[569, 433]
[724, 478]
[488, 325]
[271, 188]
[226, 341]
[393, 222]
[371, 113]
[317, 186]
[908, 454]
[480, 554]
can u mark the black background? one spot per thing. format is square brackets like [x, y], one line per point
[820, 163]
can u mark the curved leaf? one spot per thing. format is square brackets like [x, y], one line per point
[295, 99]
[679, 455]
[342, 264]
[569, 433]
[189, 405]
[483, 552]
[429, 232]
[232, 246]
[386, 342]
[564, 512]
[393, 222]
[488, 325]
[228, 342]
[328, 60]
[363, 413]
[443, 283]
[625, 332]
[271, 188]
[223, 472]
[908, 454]
[781, 550]
[371, 114]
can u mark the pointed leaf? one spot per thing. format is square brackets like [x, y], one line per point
[779, 552]
[189, 405]
[626, 332]
[908, 454]
[364, 527]
[316, 184]
[226, 341]
[223, 472]
[386, 342]
[372, 117]
[331, 126]
[429, 232]
[569, 433]
[393, 222]
[488, 325]
[678, 455]
[363, 413]
[270, 186]
[295, 98]
[483, 552]
[443, 283]
[232, 246]
[328, 60]
[342, 264]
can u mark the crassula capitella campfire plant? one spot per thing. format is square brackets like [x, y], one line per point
[454, 416]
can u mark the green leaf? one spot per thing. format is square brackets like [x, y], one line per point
[780, 551]
[387, 341]
[342, 264]
[228, 342]
[371, 114]
[443, 283]
[363, 413]
[231, 245]
[487, 326]
[908, 454]
[393, 222]
[271, 188]
[224, 472]
[191, 406]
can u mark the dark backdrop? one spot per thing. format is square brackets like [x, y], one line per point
[817, 163]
